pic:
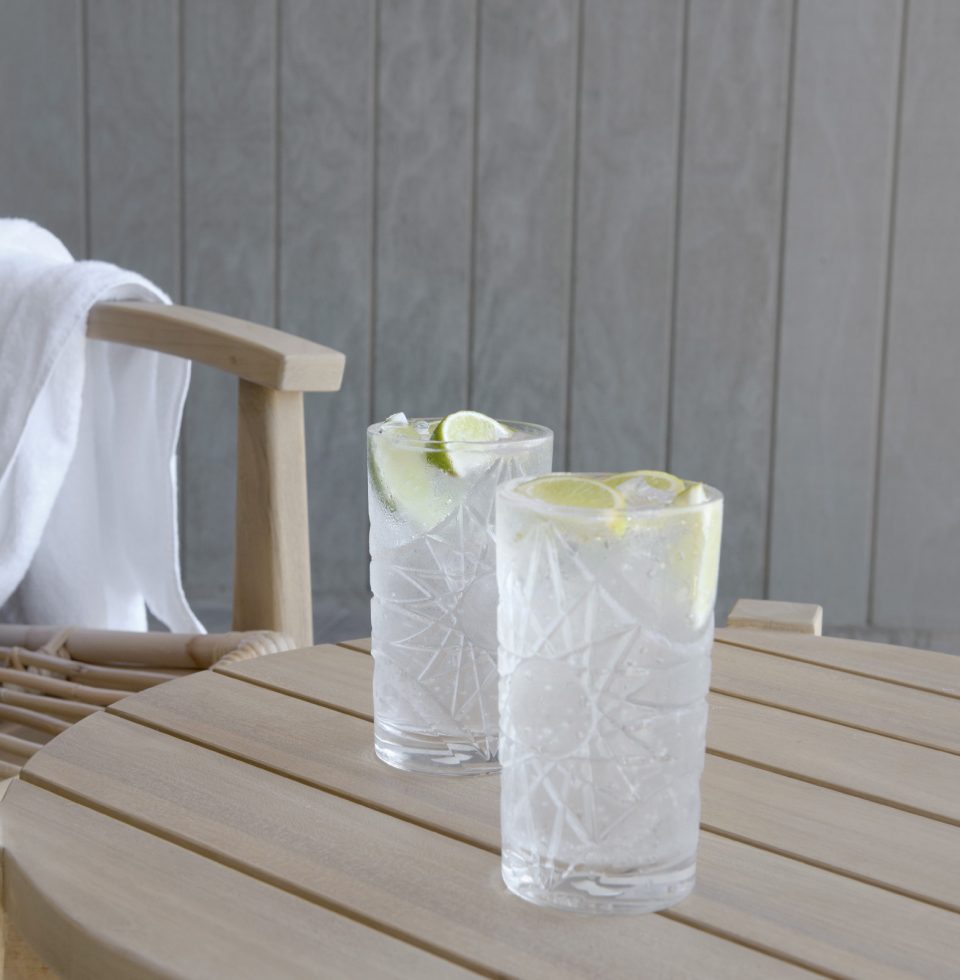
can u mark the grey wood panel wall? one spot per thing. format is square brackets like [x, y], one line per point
[713, 235]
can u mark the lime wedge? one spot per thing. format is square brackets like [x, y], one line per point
[697, 558]
[404, 482]
[464, 427]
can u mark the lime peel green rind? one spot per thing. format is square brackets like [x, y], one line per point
[463, 427]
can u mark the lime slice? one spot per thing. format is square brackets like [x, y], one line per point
[404, 482]
[464, 427]
[578, 491]
[697, 558]
[572, 491]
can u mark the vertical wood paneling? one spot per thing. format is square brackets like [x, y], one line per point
[629, 103]
[918, 526]
[729, 258]
[228, 240]
[133, 85]
[42, 161]
[521, 199]
[844, 109]
[325, 259]
[527, 103]
[425, 159]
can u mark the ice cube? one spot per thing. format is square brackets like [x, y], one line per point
[422, 428]
[639, 493]
[398, 418]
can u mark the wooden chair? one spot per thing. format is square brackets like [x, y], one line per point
[52, 676]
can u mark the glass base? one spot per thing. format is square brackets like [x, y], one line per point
[597, 892]
[436, 754]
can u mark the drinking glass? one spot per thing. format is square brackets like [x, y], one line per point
[605, 631]
[433, 577]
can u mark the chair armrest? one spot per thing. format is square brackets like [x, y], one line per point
[267, 357]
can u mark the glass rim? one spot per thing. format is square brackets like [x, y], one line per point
[508, 491]
[527, 434]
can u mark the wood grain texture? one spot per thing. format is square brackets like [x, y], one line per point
[627, 176]
[835, 256]
[524, 223]
[436, 891]
[326, 675]
[768, 614]
[228, 234]
[862, 702]
[739, 801]
[917, 560]
[326, 200]
[424, 206]
[271, 579]
[832, 830]
[42, 161]
[285, 734]
[794, 918]
[875, 767]
[55, 849]
[924, 669]
[262, 355]
[132, 119]
[729, 255]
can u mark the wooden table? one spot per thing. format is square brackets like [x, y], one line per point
[237, 824]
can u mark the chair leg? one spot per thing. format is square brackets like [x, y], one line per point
[271, 586]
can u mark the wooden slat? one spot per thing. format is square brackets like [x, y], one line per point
[917, 548]
[526, 107]
[738, 58]
[787, 815]
[327, 675]
[923, 669]
[873, 766]
[362, 644]
[626, 189]
[97, 898]
[325, 254]
[843, 117]
[900, 773]
[41, 117]
[228, 99]
[320, 746]
[132, 71]
[424, 206]
[766, 614]
[440, 893]
[834, 830]
[865, 703]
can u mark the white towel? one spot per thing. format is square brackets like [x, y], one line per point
[88, 436]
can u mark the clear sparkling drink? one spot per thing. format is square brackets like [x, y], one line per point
[433, 577]
[607, 586]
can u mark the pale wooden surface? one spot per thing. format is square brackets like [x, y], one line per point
[262, 775]
[271, 581]
[764, 614]
[258, 354]
[256, 123]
